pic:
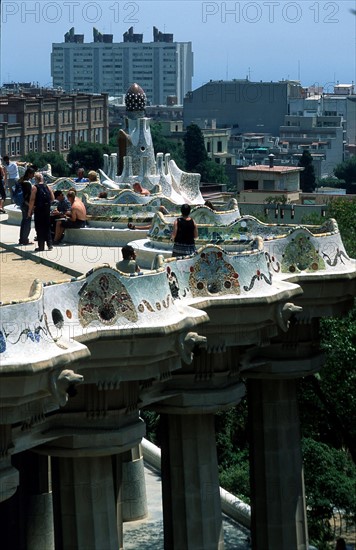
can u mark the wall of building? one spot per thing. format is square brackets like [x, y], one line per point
[162, 68]
[243, 105]
[51, 123]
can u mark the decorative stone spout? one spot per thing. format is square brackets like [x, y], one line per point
[64, 384]
[285, 314]
[191, 344]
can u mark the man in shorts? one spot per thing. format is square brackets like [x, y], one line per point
[74, 219]
[11, 173]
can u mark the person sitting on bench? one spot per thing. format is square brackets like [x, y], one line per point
[74, 219]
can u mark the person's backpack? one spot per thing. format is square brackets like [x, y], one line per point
[17, 194]
[43, 196]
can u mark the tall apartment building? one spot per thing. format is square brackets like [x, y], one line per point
[45, 120]
[163, 68]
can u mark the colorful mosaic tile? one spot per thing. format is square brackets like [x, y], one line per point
[211, 274]
[105, 299]
[301, 255]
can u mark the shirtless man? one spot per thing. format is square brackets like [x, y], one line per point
[75, 218]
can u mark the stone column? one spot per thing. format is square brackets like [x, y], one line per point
[84, 503]
[26, 518]
[278, 516]
[190, 485]
[130, 488]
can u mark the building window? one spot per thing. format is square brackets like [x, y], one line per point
[250, 184]
[219, 147]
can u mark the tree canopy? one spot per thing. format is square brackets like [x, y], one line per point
[344, 211]
[197, 160]
[194, 147]
[307, 177]
[59, 166]
[87, 155]
[347, 171]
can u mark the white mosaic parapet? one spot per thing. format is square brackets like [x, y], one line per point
[309, 249]
[213, 273]
[186, 184]
[288, 248]
[106, 300]
[27, 342]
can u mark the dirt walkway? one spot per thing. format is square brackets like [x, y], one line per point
[17, 275]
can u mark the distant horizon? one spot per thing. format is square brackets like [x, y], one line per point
[311, 42]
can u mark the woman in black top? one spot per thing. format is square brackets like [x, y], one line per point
[26, 221]
[184, 233]
[2, 190]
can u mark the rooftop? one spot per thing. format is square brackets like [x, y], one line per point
[266, 168]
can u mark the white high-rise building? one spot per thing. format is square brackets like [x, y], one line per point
[163, 68]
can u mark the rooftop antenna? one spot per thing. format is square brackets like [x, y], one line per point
[299, 70]
[227, 67]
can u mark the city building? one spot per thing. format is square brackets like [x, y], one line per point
[242, 105]
[324, 136]
[46, 120]
[341, 102]
[255, 184]
[163, 67]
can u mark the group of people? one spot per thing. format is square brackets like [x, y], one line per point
[69, 212]
[53, 212]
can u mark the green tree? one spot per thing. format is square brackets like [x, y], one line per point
[194, 147]
[211, 172]
[87, 155]
[59, 166]
[330, 479]
[344, 211]
[307, 177]
[276, 200]
[113, 134]
[347, 171]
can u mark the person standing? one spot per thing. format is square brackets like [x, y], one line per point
[184, 233]
[40, 203]
[26, 186]
[12, 173]
[2, 189]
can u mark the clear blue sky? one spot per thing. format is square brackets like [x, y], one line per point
[313, 41]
